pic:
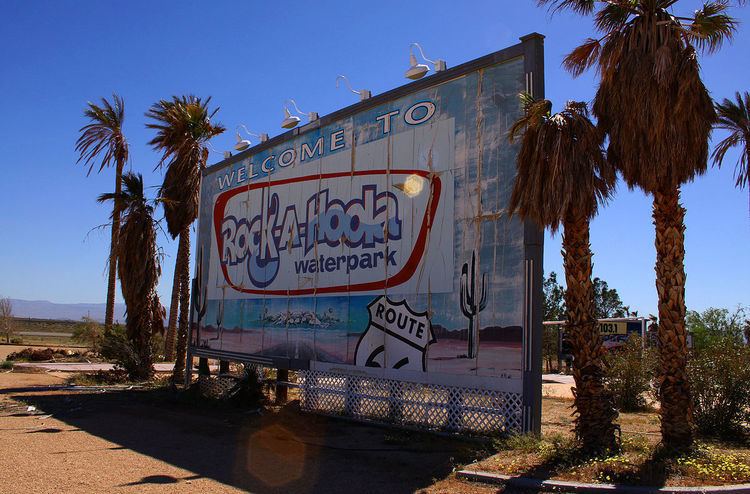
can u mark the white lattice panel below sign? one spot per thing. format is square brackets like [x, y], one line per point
[424, 406]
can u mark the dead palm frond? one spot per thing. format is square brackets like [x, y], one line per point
[651, 102]
[561, 168]
[139, 267]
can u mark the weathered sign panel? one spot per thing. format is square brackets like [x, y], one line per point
[375, 242]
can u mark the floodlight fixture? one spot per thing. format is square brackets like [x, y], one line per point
[243, 144]
[290, 121]
[418, 70]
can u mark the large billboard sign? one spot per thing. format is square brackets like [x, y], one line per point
[375, 242]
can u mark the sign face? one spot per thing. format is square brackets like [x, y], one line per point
[614, 334]
[612, 328]
[377, 241]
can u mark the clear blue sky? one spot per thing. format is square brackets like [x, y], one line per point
[251, 56]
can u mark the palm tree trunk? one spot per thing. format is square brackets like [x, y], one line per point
[142, 344]
[674, 389]
[594, 425]
[183, 267]
[109, 315]
[169, 341]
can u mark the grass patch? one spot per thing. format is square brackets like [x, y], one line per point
[99, 378]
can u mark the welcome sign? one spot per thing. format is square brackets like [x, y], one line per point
[325, 227]
[376, 240]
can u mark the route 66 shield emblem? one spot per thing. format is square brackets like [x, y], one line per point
[397, 337]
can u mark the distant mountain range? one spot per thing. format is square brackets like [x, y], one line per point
[42, 309]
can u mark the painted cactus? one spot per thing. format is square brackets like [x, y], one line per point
[471, 306]
[199, 294]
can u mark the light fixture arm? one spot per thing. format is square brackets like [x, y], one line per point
[348, 84]
[438, 64]
[247, 131]
[294, 104]
[363, 93]
[311, 116]
[421, 52]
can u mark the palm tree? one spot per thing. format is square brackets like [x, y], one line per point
[139, 271]
[734, 117]
[103, 137]
[562, 179]
[183, 127]
[657, 115]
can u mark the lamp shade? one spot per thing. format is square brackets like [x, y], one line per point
[290, 121]
[415, 70]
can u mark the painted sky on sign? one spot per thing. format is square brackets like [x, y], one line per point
[250, 57]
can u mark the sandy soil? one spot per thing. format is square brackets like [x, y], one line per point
[81, 442]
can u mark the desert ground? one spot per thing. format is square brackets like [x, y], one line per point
[55, 441]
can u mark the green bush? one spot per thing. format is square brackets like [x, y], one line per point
[157, 347]
[6, 364]
[16, 341]
[719, 376]
[89, 332]
[716, 326]
[629, 374]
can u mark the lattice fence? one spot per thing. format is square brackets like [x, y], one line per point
[424, 406]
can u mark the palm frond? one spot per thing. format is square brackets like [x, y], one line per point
[102, 137]
[734, 117]
[183, 128]
[582, 7]
[533, 111]
[583, 57]
[711, 26]
[613, 16]
[561, 167]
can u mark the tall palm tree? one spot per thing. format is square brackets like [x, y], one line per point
[657, 115]
[183, 128]
[139, 271]
[103, 138]
[562, 179]
[734, 117]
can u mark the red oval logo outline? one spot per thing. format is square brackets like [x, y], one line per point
[401, 277]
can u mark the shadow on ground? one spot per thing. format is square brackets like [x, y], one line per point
[284, 451]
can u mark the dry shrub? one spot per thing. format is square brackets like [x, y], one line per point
[118, 349]
[37, 354]
[630, 372]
